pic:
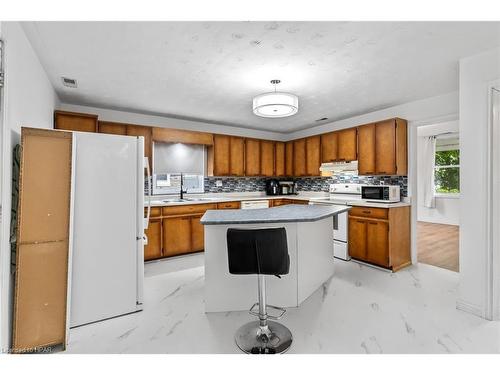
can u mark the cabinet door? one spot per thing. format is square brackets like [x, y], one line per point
[252, 157]
[289, 158]
[153, 249]
[279, 159]
[267, 158]
[385, 147]
[329, 142]
[366, 149]
[357, 238]
[107, 127]
[81, 122]
[146, 132]
[176, 235]
[221, 155]
[313, 155]
[299, 157]
[347, 145]
[377, 244]
[237, 156]
[197, 234]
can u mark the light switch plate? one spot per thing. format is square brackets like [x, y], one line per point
[218, 183]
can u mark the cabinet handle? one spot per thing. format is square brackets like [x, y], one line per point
[382, 172]
[367, 212]
[359, 221]
[372, 223]
[369, 172]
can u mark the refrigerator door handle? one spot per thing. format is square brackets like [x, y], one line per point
[148, 174]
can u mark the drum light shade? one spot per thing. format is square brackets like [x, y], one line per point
[275, 104]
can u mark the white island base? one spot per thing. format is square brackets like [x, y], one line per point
[310, 246]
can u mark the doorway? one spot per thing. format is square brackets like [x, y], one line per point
[438, 198]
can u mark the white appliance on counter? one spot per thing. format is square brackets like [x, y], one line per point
[248, 205]
[381, 193]
[340, 194]
[107, 226]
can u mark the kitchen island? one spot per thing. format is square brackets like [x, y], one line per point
[310, 246]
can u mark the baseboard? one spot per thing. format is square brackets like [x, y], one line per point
[470, 308]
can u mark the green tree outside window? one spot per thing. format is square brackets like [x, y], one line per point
[447, 171]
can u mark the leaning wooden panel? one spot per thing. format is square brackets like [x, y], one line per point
[45, 185]
[40, 297]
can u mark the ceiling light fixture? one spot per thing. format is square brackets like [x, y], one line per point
[275, 104]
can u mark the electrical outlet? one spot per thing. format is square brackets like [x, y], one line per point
[218, 183]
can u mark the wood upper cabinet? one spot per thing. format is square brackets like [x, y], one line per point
[329, 147]
[266, 158]
[221, 155]
[289, 158]
[366, 149]
[197, 234]
[82, 122]
[347, 145]
[299, 157]
[313, 155]
[279, 159]
[153, 249]
[108, 127]
[237, 156]
[252, 157]
[143, 131]
[385, 146]
[176, 235]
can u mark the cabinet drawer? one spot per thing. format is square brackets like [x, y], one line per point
[226, 205]
[188, 209]
[155, 211]
[371, 212]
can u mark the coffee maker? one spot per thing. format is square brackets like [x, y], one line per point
[288, 188]
[272, 187]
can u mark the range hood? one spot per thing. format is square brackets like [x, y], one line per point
[340, 166]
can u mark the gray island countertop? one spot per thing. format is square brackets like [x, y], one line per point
[282, 214]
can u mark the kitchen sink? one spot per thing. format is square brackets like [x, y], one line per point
[199, 199]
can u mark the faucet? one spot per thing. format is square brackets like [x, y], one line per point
[182, 190]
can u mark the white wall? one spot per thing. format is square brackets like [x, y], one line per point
[170, 122]
[447, 208]
[29, 101]
[476, 72]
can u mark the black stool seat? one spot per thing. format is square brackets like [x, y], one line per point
[258, 251]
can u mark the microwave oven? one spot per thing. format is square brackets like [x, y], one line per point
[381, 193]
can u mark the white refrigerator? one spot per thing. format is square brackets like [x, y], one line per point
[107, 227]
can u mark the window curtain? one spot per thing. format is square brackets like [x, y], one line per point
[428, 158]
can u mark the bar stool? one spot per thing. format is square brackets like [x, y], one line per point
[261, 252]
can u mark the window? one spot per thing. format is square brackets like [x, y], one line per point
[172, 159]
[447, 166]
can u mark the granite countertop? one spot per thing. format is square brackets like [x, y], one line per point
[282, 214]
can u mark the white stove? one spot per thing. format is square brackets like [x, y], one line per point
[340, 194]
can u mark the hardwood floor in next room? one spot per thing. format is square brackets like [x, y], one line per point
[438, 245]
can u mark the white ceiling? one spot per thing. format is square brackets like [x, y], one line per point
[210, 71]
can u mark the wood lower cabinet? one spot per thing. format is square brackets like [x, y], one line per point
[82, 122]
[228, 205]
[279, 159]
[267, 158]
[313, 155]
[252, 157]
[176, 235]
[197, 234]
[153, 249]
[380, 236]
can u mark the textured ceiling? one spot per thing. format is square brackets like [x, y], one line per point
[211, 70]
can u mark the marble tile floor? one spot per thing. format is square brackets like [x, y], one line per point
[359, 310]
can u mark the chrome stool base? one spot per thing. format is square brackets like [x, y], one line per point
[252, 338]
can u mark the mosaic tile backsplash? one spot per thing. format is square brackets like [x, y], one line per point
[242, 184]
